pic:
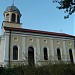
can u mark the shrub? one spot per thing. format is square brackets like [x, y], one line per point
[50, 69]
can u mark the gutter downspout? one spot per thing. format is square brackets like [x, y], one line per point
[9, 46]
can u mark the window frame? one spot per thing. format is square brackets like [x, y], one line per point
[59, 53]
[45, 52]
[71, 55]
[7, 17]
[17, 55]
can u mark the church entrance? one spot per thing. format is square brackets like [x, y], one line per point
[31, 56]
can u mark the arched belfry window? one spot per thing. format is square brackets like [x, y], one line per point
[18, 19]
[7, 17]
[13, 17]
[45, 54]
[15, 53]
[71, 55]
[58, 53]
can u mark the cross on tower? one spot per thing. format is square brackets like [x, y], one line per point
[13, 2]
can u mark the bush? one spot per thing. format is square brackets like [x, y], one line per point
[50, 69]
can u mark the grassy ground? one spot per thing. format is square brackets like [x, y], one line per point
[55, 69]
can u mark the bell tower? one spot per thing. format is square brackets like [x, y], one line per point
[12, 17]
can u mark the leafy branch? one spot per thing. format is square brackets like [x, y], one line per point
[68, 5]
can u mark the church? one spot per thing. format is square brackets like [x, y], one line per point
[26, 46]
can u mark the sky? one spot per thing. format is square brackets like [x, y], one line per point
[40, 15]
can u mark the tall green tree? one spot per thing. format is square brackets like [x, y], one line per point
[67, 5]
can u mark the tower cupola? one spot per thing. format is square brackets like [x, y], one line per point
[12, 17]
[12, 14]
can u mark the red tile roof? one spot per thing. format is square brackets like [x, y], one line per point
[37, 32]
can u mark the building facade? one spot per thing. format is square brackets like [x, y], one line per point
[26, 46]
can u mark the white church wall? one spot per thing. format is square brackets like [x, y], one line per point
[6, 57]
[53, 45]
[16, 40]
[69, 45]
[2, 51]
[38, 43]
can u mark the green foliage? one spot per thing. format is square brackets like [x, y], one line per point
[69, 5]
[50, 69]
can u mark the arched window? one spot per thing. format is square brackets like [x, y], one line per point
[15, 53]
[45, 54]
[71, 56]
[13, 17]
[31, 56]
[7, 17]
[58, 54]
[18, 19]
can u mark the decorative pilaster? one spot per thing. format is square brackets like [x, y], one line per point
[52, 50]
[24, 56]
[38, 50]
[6, 52]
[73, 55]
[64, 47]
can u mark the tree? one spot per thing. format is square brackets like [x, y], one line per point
[67, 5]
